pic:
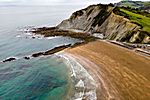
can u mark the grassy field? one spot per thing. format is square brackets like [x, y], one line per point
[140, 19]
[128, 4]
[146, 3]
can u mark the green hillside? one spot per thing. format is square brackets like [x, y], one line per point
[137, 18]
[140, 20]
[135, 4]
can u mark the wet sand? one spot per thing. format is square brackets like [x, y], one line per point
[120, 74]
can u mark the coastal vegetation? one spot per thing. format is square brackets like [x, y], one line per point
[118, 24]
[138, 17]
[138, 5]
[104, 19]
[110, 21]
[86, 68]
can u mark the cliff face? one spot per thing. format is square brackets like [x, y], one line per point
[101, 19]
[87, 19]
[116, 27]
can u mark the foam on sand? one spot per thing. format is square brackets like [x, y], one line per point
[85, 85]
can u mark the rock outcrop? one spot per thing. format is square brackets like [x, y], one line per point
[87, 19]
[116, 27]
[102, 19]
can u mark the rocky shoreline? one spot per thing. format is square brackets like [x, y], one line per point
[44, 53]
[52, 51]
[52, 32]
[55, 31]
[87, 37]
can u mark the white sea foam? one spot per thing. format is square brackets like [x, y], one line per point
[18, 36]
[38, 36]
[80, 84]
[29, 34]
[85, 85]
[53, 37]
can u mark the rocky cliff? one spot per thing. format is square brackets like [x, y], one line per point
[87, 19]
[102, 19]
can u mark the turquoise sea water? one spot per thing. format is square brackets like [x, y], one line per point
[43, 78]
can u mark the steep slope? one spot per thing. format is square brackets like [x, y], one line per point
[117, 27]
[142, 35]
[103, 19]
[87, 18]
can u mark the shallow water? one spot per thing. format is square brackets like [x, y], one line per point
[39, 78]
[43, 78]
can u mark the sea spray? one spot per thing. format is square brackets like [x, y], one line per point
[84, 84]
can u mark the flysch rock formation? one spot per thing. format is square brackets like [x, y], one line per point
[101, 19]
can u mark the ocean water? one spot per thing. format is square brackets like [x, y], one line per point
[42, 78]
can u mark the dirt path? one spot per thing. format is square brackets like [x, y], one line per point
[120, 74]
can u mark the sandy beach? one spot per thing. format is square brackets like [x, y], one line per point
[120, 74]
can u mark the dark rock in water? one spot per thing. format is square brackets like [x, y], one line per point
[27, 58]
[52, 51]
[55, 31]
[37, 54]
[9, 59]
[56, 49]
[48, 28]
[33, 37]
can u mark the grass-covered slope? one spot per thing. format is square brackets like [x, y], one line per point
[135, 4]
[129, 3]
[143, 35]
[106, 20]
[137, 18]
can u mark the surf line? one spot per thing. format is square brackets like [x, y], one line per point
[85, 85]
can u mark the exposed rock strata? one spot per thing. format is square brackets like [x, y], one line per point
[52, 51]
[55, 31]
[102, 19]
